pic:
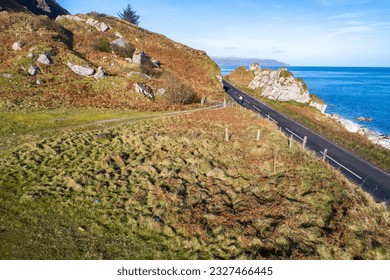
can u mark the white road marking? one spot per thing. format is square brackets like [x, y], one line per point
[294, 134]
[256, 108]
[357, 176]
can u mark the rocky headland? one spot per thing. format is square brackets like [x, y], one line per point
[280, 85]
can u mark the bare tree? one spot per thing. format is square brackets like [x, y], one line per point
[129, 15]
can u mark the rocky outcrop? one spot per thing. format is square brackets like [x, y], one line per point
[281, 85]
[70, 17]
[81, 70]
[49, 8]
[319, 106]
[99, 26]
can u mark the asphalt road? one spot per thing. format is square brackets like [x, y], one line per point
[371, 178]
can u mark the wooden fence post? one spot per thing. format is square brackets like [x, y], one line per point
[290, 142]
[304, 142]
[274, 164]
[224, 103]
[258, 135]
[226, 135]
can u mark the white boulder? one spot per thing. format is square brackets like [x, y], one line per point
[33, 70]
[17, 46]
[99, 74]
[81, 70]
[139, 57]
[349, 125]
[44, 59]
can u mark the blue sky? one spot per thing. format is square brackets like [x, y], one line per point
[307, 32]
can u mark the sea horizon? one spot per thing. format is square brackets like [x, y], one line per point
[349, 91]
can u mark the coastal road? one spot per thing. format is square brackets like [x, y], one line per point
[372, 179]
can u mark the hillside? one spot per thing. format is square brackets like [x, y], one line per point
[93, 167]
[39, 56]
[49, 8]
[173, 188]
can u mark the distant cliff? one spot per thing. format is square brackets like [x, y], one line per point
[237, 61]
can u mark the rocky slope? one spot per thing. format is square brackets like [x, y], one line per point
[99, 61]
[278, 85]
[49, 8]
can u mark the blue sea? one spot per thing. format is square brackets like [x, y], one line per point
[350, 92]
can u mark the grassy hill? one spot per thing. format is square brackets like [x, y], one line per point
[173, 188]
[92, 169]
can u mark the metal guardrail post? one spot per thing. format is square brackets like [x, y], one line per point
[325, 155]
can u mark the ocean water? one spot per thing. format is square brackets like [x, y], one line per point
[350, 92]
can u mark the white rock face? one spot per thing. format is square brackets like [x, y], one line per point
[319, 106]
[100, 26]
[279, 85]
[81, 70]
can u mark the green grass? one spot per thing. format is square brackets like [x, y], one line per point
[20, 127]
[96, 194]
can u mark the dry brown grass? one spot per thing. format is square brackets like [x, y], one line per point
[71, 41]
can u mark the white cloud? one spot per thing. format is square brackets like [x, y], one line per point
[350, 29]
